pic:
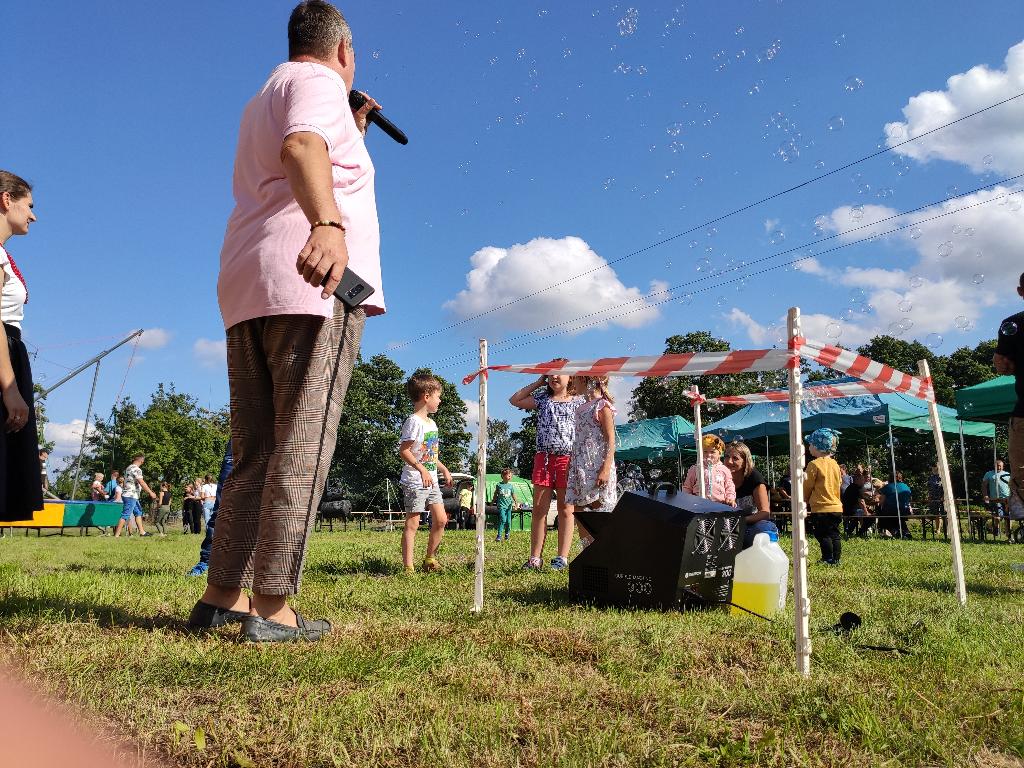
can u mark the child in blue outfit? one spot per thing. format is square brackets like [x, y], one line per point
[505, 498]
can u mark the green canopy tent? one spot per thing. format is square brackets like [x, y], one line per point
[992, 400]
[639, 440]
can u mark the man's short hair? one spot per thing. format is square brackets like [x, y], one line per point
[138, 456]
[316, 28]
[1021, 283]
[420, 385]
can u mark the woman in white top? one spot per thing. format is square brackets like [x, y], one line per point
[20, 490]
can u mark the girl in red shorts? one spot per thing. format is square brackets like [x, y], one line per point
[556, 406]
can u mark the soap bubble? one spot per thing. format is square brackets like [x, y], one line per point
[627, 24]
[840, 40]
[711, 231]
[698, 180]
[952, 190]
[905, 305]
[704, 265]
[895, 329]
[969, 231]
[670, 174]
[857, 212]
[933, 341]
[608, 182]
[853, 84]
[821, 223]
[376, 54]
[721, 301]
[945, 248]
[835, 123]
[777, 237]
[978, 278]
[1008, 328]
[956, 229]
[916, 281]
[894, 131]
[987, 160]
[916, 233]
[694, 243]
[833, 330]
[858, 296]
[674, 129]
[739, 30]
[962, 323]
[1014, 204]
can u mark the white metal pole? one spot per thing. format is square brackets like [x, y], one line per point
[698, 436]
[892, 458]
[481, 484]
[952, 521]
[798, 510]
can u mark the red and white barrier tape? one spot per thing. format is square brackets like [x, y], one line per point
[881, 378]
[691, 364]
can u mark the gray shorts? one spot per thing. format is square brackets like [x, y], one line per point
[417, 498]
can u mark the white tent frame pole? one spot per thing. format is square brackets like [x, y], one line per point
[768, 462]
[798, 509]
[892, 459]
[481, 484]
[963, 465]
[698, 439]
[952, 520]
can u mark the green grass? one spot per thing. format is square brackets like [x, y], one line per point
[411, 677]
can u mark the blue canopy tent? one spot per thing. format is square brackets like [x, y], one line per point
[861, 415]
[767, 424]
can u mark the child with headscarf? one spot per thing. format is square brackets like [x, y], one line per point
[822, 483]
[718, 482]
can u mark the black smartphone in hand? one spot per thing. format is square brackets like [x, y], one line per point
[352, 290]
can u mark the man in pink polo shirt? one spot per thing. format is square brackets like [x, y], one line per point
[304, 209]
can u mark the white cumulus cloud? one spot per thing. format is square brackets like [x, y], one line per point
[990, 141]
[154, 338]
[66, 437]
[500, 275]
[210, 353]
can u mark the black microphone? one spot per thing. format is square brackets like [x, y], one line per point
[356, 100]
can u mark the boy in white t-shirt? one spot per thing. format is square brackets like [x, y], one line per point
[419, 450]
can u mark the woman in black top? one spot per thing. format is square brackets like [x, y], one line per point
[751, 492]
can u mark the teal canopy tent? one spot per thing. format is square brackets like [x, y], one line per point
[861, 415]
[992, 400]
[640, 440]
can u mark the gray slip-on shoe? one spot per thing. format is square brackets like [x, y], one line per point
[256, 629]
[206, 616]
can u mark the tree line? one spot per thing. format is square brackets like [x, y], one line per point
[183, 440]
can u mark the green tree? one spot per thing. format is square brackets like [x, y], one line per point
[663, 396]
[501, 447]
[180, 439]
[525, 445]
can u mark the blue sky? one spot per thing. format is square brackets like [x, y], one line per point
[576, 132]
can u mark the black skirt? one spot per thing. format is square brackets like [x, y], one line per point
[21, 488]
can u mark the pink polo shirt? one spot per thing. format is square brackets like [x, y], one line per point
[267, 229]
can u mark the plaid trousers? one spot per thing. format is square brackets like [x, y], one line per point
[288, 375]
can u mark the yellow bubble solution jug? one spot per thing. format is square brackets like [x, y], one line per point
[761, 577]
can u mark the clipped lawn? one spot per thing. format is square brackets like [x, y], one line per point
[410, 677]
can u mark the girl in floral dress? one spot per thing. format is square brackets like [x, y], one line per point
[592, 478]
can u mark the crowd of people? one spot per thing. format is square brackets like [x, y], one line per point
[305, 210]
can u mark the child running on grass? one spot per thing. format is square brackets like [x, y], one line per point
[555, 400]
[419, 450]
[592, 477]
[718, 483]
[506, 499]
[821, 492]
